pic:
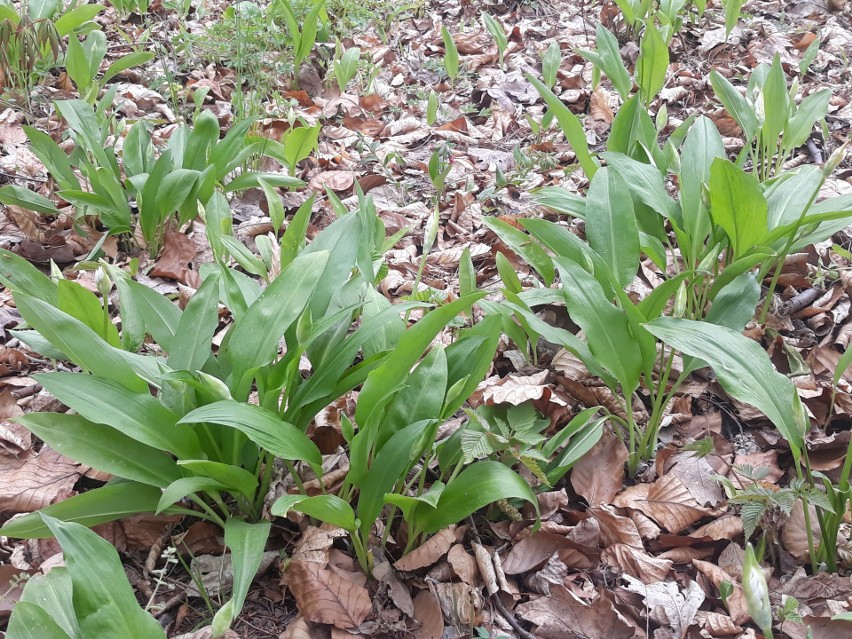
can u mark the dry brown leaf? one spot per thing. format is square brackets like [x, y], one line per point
[794, 531]
[637, 563]
[299, 629]
[384, 572]
[335, 180]
[615, 528]
[326, 597]
[35, 480]
[671, 504]
[670, 604]
[207, 633]
[727, 527]
[430, 552]
[460, 604]
[463, 564]
[737, 606]
[8, 575]
[517, 389]
[533, 551]
[562, 610]
[175, 258]
[599, 474]
[427, 610]
[716, 624]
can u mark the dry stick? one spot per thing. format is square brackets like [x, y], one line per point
[495, 599]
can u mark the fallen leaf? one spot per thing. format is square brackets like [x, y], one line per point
[553, 615]
[326, 597]
[427, 610]
[599, 474]
[430, 552]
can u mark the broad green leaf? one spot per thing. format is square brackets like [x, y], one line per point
[91, 508]
[550, 63]
[103, 448]
[20, 276]
[787, 198]
[605, 326]
[346, 68]
[71, 20]
[254, 337]
[421, 398]
[703, 144]
[103, 599]
[261, 426]
[478, 485]
[246, 542]
[737, 205]
[235, 478]
[608, 58]
[251, 179]
[744, 371]
[571, 127]
[812, 109]
[192, 342]
[451, 54]
[645, 182]
[611, 225]
[53, 157]
[79, 343]
[652, 64]
[184, 486]
[387, 378]
[138, 151]
[138, 415]
[579, 445]
[523, 245]
[12, 195]
[467, 274]
[30, 621]
[160, 316]
[389, 466]
[82, 304]
[735, 104]
[52, 592]
[732, 14]
[330, 509]
[561, 200]
[299, 144]
[775, 103]
[125, 62]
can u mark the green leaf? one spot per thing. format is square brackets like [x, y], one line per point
[571, 127]
[30, 621]
[387, 378]
[478, 485]
[611, 225]
[137, 415]
[577, 447]
[247, 543]
[80, 343]
[523, 245]
[744, 371]
[776, 103]
[330, 509]
[103, 600]
[645, 182]
[703, 144]
[22, 277]
[53, 157]
[737, 205]
[346, 68]
[191, 345]
[652, 64]
[103, 448]
[732, 14]
[82, 304]
[735, 104]
[812, 109]
[184, 486]
[125, 62]
[12, 195]
[254, 337]
[53, 592]
[605, 326]
[451, 54]
[91, 508]
[236, 479]
[550, 63]
[299, 144]
[77, 17]
[608, 59]
[294, 237]
[261, 426]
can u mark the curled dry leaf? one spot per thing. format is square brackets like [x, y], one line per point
[517, 389]
[737, 606]
[427, 611]
[717, 625]
[794, 532]
[334, 180]
[460, 603]
[430, 552]
[599, 474]
[327, 597]
[486, 568]
[616, 529]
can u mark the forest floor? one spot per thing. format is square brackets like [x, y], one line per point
[616, 557]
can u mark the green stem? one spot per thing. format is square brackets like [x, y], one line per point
[214, 517]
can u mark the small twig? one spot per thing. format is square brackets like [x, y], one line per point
[800, 301]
